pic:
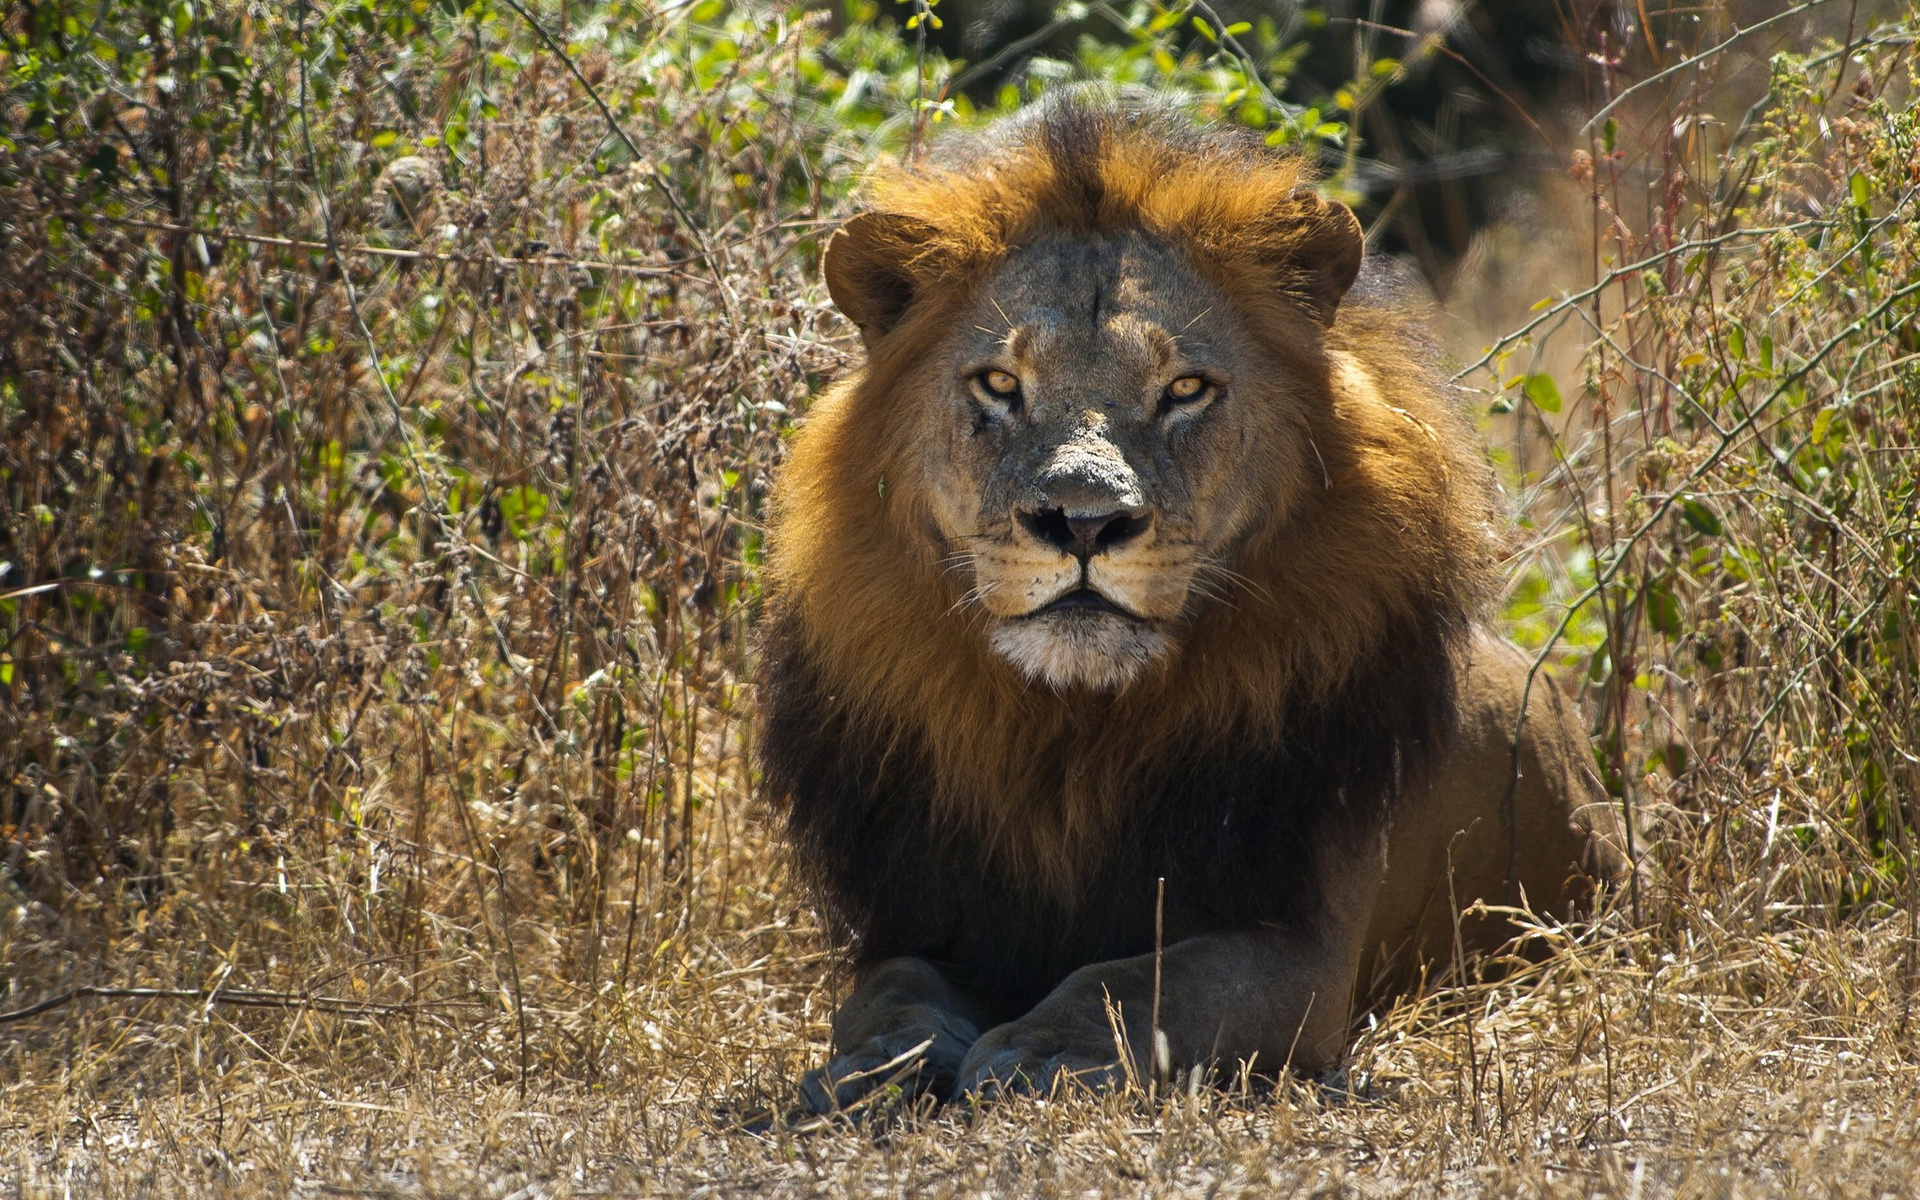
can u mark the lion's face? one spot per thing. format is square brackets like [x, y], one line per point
[1105, 436]
[1100, 358]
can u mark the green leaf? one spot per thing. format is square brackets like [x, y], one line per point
[1663, 610]
[1700, 517]
[1821, 424]
[1543, 392]
[522, 508]
[1862, 194]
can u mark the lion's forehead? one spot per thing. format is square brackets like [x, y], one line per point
[1079, 301]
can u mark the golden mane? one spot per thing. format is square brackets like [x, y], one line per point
[1395, 540]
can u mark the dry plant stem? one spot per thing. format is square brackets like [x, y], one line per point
[1707, 55]
[1614, 721]
[1155, 1036]
[236, 996]
[653, 169]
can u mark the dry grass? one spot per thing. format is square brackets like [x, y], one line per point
[373, 732]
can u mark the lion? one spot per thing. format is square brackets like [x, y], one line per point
[1123, 672]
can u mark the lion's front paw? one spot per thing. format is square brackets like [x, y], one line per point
[1019, 1058]
[914, 1060]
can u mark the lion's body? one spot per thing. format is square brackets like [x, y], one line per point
[1257, 678]
[1476, 832]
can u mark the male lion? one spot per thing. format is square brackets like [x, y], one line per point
[1142, 549]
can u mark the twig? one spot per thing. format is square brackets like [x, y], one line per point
[1697, 59]
[654, 170]
[484, 260]
[240, 999]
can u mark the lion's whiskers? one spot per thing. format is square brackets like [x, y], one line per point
[970, 598]
[1214, 567]
[1200, 586]
[961, 560]
[1003, 317]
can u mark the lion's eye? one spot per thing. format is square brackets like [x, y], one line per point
[1186, 390]
[1000, 384]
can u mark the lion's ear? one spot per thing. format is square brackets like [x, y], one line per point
[1325, 258]
[869, 268]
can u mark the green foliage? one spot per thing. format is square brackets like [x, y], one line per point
[1737, 478]
[1233, 72]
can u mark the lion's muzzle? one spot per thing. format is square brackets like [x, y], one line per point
[1084, 536]
[1081, 583]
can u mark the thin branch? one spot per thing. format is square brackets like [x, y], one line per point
[654, 170]
[483, 260]
[301, 1001]
[1575, 299]
[1696, 60]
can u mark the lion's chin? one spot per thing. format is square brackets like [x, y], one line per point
[1100, 651]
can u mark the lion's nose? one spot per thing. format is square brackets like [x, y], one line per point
[1084, 537]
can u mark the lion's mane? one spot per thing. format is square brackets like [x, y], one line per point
[945, 807]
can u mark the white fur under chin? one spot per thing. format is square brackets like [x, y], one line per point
[1068, 650]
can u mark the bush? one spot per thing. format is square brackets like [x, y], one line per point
[1724, 490]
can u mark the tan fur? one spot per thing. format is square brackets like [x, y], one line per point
[1350, 502]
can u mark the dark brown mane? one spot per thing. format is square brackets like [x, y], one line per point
[949, 809]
